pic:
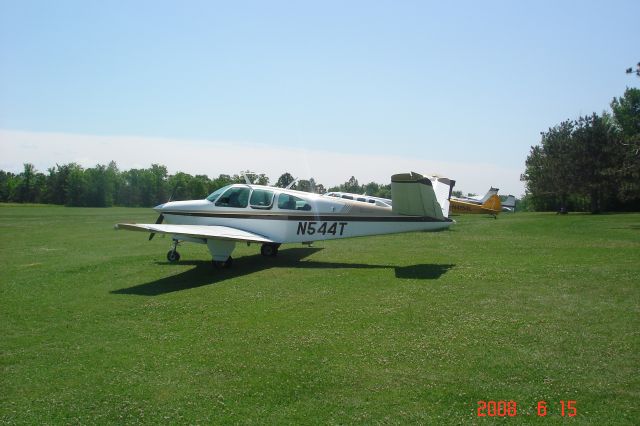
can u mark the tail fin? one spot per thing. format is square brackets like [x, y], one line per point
[443, 187]
[510, 202]
[490, 193]
[413, 195]
[493, 203]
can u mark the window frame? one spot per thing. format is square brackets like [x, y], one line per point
[306, 203]
[259, 207]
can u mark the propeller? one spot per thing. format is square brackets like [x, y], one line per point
[158, 222]
[161, 217]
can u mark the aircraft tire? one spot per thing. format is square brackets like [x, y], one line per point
[269, 249]
[173, 256]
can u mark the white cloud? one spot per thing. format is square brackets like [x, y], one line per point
[215, 157]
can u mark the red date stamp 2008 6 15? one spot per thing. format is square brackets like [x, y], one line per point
[510, 408]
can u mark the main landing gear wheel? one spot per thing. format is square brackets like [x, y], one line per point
[269, 249]
[226, 264]
[173, 256]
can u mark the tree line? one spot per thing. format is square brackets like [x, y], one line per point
[591, 163]
[106, 185]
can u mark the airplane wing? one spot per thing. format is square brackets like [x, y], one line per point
[197, 231]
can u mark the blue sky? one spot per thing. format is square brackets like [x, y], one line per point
[445, 85]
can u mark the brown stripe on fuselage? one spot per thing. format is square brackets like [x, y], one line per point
[308, 217]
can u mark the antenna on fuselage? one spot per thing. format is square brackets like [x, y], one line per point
[245, 174]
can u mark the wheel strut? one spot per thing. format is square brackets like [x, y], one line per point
[172, 254]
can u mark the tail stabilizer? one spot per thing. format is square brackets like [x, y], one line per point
[443, 187]
[413, 195]
[493, 203]
[490, 193]
[510, 202]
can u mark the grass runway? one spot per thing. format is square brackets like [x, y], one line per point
[96, 327]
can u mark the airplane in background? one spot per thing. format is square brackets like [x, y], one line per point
[442, 187]
[382, 202]
[475, 200]
[509, 205]
[491, 206]
[273, 216]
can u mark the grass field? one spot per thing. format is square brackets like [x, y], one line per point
[96, 326]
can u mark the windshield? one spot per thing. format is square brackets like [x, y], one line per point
[215, 194]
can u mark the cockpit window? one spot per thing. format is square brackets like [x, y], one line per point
[289, 202]
[215, 194]
[234, 197]
[261, 199]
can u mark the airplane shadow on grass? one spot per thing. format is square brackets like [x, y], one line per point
[205, 274]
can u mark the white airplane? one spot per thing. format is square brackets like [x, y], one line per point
[273, 216]
[509, 205]
[382, 202]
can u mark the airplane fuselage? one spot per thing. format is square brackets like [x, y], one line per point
[318, 218]
[462, 207]
[271, 216]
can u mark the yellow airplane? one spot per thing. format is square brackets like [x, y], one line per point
[491, 206]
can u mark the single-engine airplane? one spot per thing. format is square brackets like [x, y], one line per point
[273, 216]
[382, 202]
[479, 201]
[489, 204]
[491, 207]
[509, 204]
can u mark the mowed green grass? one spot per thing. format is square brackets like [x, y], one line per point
[96, 326]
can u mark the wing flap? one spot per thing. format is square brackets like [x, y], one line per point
[197, 231]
